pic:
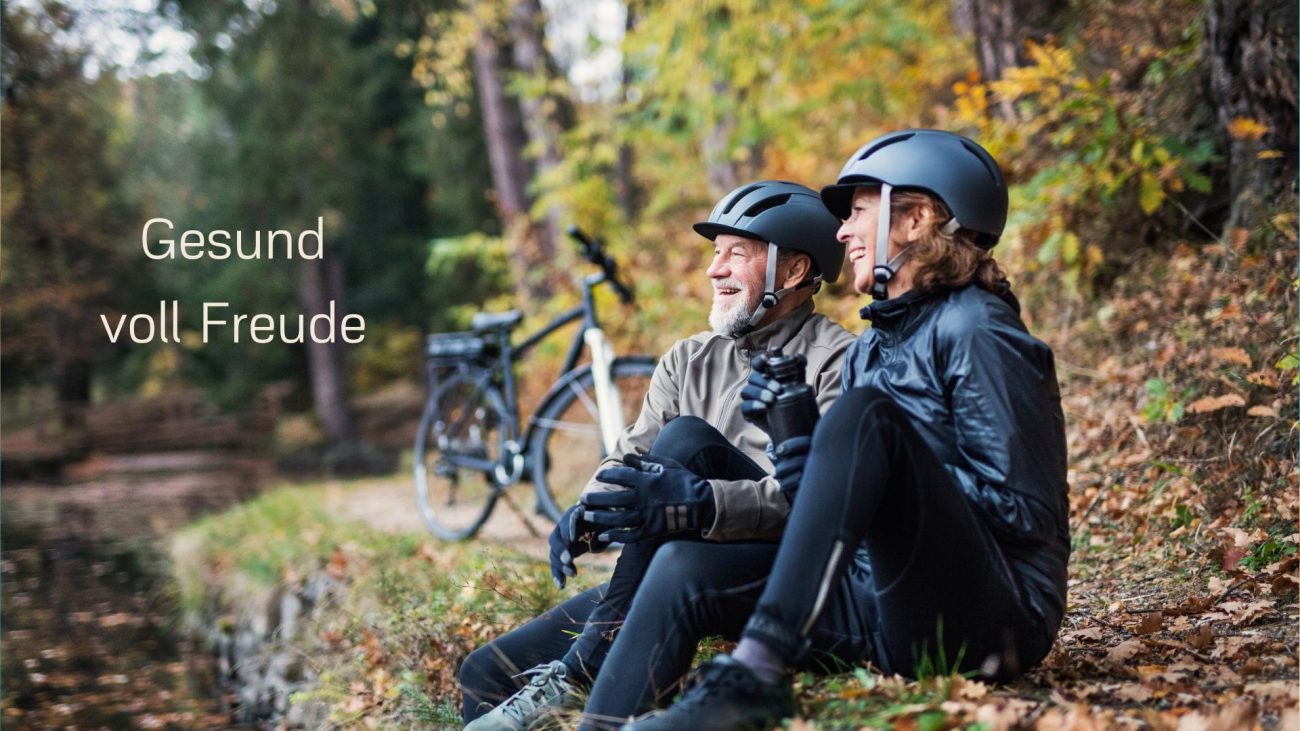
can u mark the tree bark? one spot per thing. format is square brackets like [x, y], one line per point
[1249, 61]
[1000, 29]
[543, 112]
[319, 282]
[503, 129]
[625, 187]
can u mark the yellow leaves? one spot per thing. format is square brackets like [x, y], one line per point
[1150, 193]
[1246, 128]
[1232, 355]
[1215, 403]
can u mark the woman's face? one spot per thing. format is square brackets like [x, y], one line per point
[858, 234]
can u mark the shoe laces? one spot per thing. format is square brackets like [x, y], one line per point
[547, 681]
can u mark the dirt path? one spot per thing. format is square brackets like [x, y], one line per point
[388, 503]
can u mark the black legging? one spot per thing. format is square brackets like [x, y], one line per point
[488, 675]
[945, 595]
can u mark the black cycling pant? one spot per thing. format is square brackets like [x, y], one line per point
[487, 675]
[943, 595]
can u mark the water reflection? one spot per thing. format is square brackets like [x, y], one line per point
[86, 618]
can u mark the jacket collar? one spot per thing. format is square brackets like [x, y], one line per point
[900, 315]
[777, 334]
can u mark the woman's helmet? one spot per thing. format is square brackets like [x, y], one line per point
[782, 215]
[948, 166]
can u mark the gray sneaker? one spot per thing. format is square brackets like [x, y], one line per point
[548, 689]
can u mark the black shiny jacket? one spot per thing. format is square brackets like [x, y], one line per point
[982, 392]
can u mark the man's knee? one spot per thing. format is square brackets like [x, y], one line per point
[481, 683]
[682, 438]
[476, 669]
[677, 570]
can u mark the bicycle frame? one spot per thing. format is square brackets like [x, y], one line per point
[510, 468]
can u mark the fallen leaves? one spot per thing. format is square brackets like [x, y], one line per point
[1232, 355]
[1214, 403]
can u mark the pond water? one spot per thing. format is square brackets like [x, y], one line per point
[87, 621]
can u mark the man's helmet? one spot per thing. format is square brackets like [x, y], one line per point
[948, 166]
[782, 215]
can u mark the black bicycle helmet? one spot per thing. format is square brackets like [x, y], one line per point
[948, 166]
[783, 215]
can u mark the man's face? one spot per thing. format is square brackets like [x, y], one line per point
[737, 271]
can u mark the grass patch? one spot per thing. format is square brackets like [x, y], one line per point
[385, 648]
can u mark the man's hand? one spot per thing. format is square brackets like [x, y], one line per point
[571, 538]
[759, 393]
[662, 497]
[776, 399]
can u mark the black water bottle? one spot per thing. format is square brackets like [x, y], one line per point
[794, 413]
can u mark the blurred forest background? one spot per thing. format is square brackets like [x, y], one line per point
[1151, 146]
[447, 145]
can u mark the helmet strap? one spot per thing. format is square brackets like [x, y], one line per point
[883, 272]
[770, 296]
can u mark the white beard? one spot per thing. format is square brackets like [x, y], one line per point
[732, 319]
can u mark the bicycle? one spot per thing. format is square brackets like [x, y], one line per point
[468, 449]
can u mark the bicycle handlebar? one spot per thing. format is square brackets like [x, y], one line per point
[593, 251]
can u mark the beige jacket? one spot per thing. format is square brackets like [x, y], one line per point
[702, 376]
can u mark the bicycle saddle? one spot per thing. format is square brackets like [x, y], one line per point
[493, 320]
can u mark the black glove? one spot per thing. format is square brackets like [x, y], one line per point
[663, 497]
[759, 394]
[571, 538]
[777, 399]
[790, 457]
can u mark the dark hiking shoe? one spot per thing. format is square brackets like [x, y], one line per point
[547, 690]
[725, 696]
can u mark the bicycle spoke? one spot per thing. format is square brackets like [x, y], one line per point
[590, 430]
[585, 400]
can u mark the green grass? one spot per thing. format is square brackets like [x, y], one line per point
[387, 647]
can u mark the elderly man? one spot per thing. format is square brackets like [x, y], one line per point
[774, 244]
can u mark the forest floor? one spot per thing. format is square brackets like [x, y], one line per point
[1157, 639]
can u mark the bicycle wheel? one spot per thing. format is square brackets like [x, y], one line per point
[566, 445]
[464, 421]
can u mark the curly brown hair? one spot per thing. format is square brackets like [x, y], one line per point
[944, 260]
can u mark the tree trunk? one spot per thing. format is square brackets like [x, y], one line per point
[319, 282]
[625, 187]
[716, 148]
[1001, 27]
[503, 130]
[1249, 61]
[543, 113]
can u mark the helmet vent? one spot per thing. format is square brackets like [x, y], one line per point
[766, 203]
[740, 194]
[885, 143]
[983, 158]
